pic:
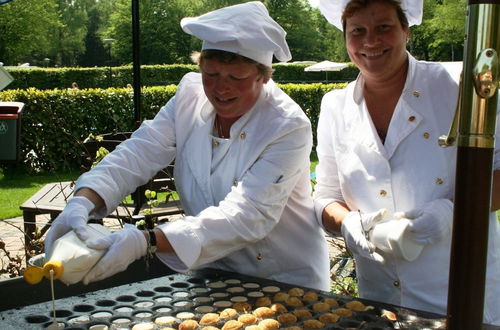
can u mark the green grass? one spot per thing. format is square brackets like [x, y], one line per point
[16, 186]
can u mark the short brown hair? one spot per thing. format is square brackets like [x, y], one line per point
[355, 5]
[229, 57]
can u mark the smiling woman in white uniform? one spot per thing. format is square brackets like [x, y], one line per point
[379, 159]
[241, 148]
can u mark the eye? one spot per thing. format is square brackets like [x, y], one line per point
[237, 78]
[357, 31]
[384, 27]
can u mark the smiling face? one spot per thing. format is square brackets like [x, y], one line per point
[376, 40]
[232, 88]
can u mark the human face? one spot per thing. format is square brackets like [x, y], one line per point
[376, 41]
[232, 88]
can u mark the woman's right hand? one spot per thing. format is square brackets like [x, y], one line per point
[355, 228]
[74, 217]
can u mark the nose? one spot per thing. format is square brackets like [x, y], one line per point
[222, 84]
[372, 38]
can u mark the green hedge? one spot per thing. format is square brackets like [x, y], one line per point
[54, 123]
[153, 75]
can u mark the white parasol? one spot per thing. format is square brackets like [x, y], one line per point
[326, 66]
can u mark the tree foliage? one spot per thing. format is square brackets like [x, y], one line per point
[72, 33]
[26, 30]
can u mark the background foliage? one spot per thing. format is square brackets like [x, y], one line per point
[153, 75]
[71, 33]
[54, 123]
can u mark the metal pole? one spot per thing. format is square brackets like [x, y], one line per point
[476, 130]
[109, 42]
[110, 72]
[136, 63]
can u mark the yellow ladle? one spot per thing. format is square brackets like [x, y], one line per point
[34, 274]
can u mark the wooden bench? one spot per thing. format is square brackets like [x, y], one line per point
[52, 198]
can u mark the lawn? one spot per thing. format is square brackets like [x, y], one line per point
[16, 186]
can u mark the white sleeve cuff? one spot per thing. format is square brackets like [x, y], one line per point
[319, 206]
[185, 243]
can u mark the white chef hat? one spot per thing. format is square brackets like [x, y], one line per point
[333, 10]
[245, 29]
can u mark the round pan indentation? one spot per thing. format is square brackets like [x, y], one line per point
[145, 293]
[179, 285]
[126, 298]
[62, 313]
[82, 319]
[124, 309]
[105, 303]
[83, 308]
[163, 289]
[101, 314]
[37, 318]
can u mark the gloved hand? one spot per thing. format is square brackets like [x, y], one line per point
[355, 228]
[430, 223]
[124, 246]
[74, 217]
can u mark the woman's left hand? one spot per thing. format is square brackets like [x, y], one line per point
[432, 222]
[124, 247]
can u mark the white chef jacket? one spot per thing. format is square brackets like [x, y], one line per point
[259, 220]
[406, 172]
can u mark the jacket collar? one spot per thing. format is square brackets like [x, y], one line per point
[366, 133]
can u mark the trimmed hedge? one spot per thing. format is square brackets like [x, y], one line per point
[153, 75]
[54, 123]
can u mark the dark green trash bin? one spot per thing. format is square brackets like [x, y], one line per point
[10, 130]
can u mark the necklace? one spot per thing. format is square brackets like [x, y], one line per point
[219, 128]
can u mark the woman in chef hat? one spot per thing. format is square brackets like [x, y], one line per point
[241, 148]
[379, 160]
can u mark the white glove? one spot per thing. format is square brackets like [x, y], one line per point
[432, 222]
[74, 217]
[355, 228]
[124, 246]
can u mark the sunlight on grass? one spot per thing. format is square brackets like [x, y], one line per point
[16, 186]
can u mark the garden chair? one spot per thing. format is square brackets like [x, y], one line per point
[161, 182]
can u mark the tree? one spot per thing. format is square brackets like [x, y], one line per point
[297, 20]
[448, 25]
[440, 37]
[98, 13]
[26, 30]
[161, 37]
[70, 34]
[332, 39]
[94, 49]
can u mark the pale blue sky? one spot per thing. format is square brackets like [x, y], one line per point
[314, 3]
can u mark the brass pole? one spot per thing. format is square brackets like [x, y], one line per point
[476, 131]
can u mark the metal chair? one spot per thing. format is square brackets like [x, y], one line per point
[162, 181]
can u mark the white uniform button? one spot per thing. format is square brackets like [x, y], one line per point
[243, 135]
[383, 193]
